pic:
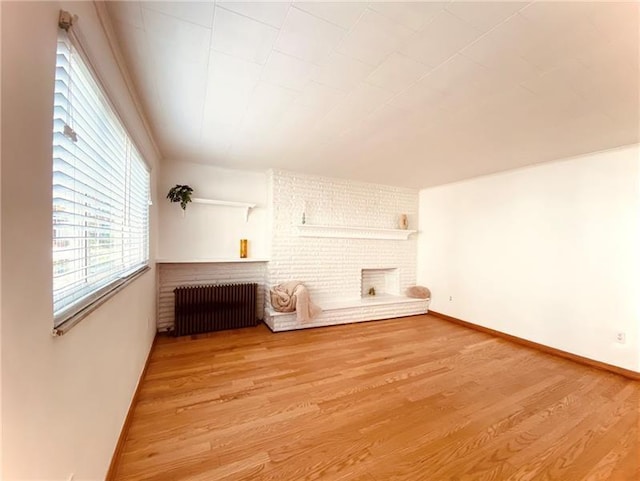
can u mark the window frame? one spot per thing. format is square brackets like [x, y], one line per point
[70, 315]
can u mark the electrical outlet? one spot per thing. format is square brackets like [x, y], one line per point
[621, 337]
[451, 298]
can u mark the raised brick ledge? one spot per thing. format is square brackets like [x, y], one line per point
[360, 302]
[349, 311]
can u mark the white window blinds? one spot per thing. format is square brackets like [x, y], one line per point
[100, 191]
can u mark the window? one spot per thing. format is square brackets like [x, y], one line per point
[100, 192]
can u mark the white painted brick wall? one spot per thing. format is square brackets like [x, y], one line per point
[330, 267]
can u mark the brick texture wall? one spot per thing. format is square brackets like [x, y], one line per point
[331, 267]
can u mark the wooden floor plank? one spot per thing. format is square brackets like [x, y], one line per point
[411, 399]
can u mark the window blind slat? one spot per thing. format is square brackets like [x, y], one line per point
[74, 154]
[71, 95]
[88, 189]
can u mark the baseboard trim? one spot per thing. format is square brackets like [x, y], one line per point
[111, 473]
[541, 347]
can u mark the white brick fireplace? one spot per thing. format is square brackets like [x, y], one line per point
[340, 238]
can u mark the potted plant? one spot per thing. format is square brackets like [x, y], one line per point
[180, 193]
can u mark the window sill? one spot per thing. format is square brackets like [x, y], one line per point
[76, 317]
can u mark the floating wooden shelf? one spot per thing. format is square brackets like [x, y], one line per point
[310, 230]
[226, 203]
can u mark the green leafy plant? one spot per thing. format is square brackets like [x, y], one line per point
[180, 193]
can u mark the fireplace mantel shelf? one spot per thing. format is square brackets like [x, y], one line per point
[348, 232]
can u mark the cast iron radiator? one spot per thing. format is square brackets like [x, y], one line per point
[214, 307]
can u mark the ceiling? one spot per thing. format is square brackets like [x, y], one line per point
[412, 94]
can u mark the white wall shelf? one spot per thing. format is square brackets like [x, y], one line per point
[208, 261]
[226, 203]
[348, 232]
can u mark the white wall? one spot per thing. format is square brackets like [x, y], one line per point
[63, 399]
[1, 464]
[207, 231]
[331, 267]
[548, 253]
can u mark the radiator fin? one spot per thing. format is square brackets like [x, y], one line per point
[206, 308]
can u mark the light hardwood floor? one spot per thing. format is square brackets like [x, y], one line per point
[413, 399]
